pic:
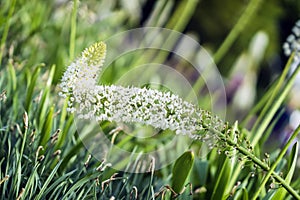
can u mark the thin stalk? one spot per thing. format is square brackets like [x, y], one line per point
[158, 10]
[278, 159]
[231, 37]
[269, 110]
[19, 163]
[177, 23]
[73, 30]
[257, 161]
[6, 28]
[241, 149]
[259, 105]
[278, 102]
[286, 186]
[237, 29]
[182, 15]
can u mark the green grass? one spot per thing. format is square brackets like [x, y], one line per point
[42, 155]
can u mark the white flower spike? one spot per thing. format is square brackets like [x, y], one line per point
[129, 104]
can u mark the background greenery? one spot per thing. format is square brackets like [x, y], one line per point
[40, 38]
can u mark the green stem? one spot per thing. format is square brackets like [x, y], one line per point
[6, 29]
[231, 37]
[286, 185]
[241, 149]
[269, 110]
[177, 23]
[274, 105]
[237, 29]
[278, 159]
[182, 15]
[261, 164]
[258, 106]
[17, 182]
[73, 30]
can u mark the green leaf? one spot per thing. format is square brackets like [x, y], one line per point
[222, 181]
[31, 180]
[43, 104]
[12, 78]
[73, 152]
[31, 86]
[80, 183]
[281, 192]
[167, 195]
[279, 94]
[47, 127]
[201, 168]
[50, 177]
[62, 137]
[58, 182]
[245, 194]
[181, 170]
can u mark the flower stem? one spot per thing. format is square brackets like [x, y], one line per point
[231, 37]
[73, 30]
[237, 29]
[182, 15]
[271, 171]
[268, 115]
[271, 107]
[261, 164]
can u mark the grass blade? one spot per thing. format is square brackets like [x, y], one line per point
[41, 193]
[6, 28]
[281, 192]
[80, 183]
[245, 194]
[222, 181]
[47, 127]
[31, 86]
[181, 170]
[278, 159]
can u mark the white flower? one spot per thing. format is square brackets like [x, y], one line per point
[292, 43]
[128, 104]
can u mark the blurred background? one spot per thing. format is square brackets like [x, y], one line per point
[40, 32]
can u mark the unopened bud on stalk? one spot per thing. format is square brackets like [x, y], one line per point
[25, 120]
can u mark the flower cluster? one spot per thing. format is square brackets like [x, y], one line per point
[82, 74]
[129, 104]
[293, 41]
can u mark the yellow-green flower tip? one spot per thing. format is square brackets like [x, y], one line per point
[95, 54]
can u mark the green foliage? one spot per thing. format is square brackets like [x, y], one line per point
[222, 180]
[181, 171]
[43, 157]
[280, 193]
